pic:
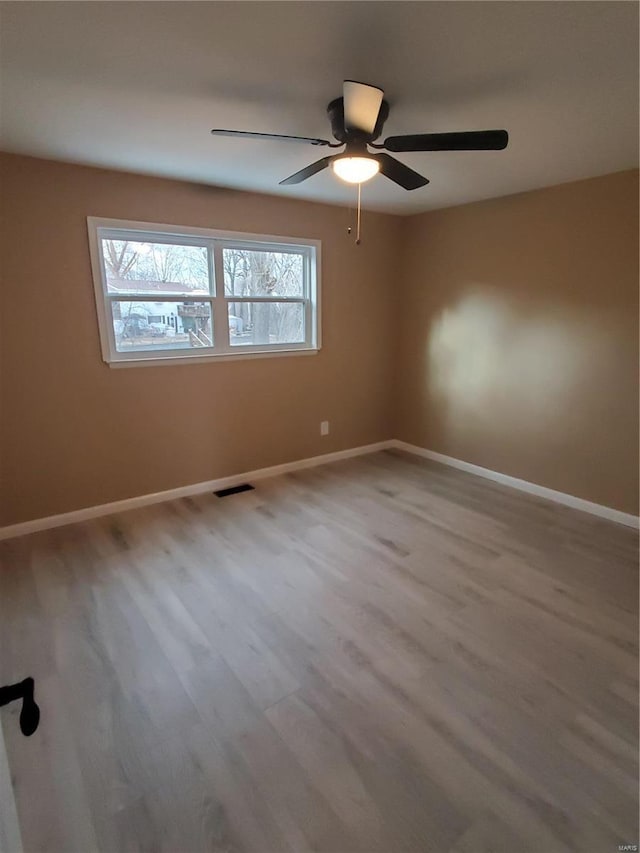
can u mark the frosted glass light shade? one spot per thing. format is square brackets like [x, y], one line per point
[355, 170]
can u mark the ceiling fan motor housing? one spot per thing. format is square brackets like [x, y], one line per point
[335, 111]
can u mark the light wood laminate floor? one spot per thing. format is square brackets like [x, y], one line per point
[381, 654]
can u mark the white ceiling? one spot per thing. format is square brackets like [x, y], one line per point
[138, 86]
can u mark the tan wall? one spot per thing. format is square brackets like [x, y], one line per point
[77, 433]
[520, 347]
[515, 321]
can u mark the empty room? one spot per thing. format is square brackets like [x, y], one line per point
[319, 427]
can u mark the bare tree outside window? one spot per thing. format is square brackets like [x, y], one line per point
[119, 258]
[265, 274]
[164, 263]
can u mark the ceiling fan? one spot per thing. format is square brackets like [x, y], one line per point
[357, 119]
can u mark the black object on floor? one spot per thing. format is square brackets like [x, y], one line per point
[30, 713]
[245, 487]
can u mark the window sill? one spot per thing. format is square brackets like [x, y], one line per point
[206, 359]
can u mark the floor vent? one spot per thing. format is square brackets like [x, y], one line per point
[245, 487]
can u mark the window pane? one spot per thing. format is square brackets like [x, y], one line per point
[249, 272]
[265, 323]
[138, 266]
[149, 326]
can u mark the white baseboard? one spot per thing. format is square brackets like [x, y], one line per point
[523, 485]
[51, 521]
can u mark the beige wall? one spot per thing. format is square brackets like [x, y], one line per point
[77, 433]
[503, 333]
[520, 348]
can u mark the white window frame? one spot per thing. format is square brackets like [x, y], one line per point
[214, 241]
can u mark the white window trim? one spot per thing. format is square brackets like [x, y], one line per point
[215, 241]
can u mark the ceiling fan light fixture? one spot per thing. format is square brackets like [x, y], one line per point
[355, 170]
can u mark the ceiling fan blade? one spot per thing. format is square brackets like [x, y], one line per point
[361, 105]
[307, 172]
[248, 134]
[399, 173]
[474, 140]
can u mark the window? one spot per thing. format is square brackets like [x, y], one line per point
[167, 293]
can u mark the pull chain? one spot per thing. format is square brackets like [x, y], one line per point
[358, 218]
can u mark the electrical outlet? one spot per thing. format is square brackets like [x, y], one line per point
[324, 427]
